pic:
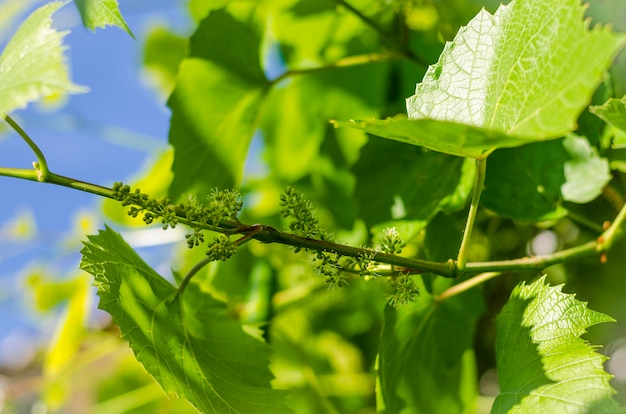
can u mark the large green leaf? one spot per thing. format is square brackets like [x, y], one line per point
[187, 342]
[425, 363]
[525, 183]
[543, 364]
[295, 125]
[101, 13]
[443, 136]
[527, 71]
[163, 53]
[427, 179]
[32, 65]
[530, 183]
[215, 105]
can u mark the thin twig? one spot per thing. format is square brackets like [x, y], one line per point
[41, 166]
[348, 61]
[391, 37]
[192, 273]
[466, 285]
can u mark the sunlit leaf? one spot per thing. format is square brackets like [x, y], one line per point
[215, 105]
[586, 173]
[101, 13]
[613, 112]
[163, 53]
[543, 364]
[527, 72]
[187, 342]
[61, 355]
[199, 8]
[295, 126]
[32, 65]
[448, 137]
[48, 292]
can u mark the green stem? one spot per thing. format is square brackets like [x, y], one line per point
[268, 234]
[371, 23]
[24, 174]
[466, 285]
[52, 178]
[481, 169]
[42, 165]
[391, 37]
[590, 249]
[611, 234]
[583, 221]
[192, 273]
[342, 63]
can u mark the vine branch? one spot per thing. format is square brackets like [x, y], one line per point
[398, 264]
[450, 268]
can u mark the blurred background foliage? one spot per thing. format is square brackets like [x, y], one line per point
[325, 341]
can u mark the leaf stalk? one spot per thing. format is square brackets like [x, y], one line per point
[479, 182]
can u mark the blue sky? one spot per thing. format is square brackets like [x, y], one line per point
[102, 136]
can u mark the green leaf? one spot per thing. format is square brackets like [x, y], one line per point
[61, 357]
[187, 342]
[163, 53]
[529, 183]
[32, 65]
[458, 199]
[586, 173]
[295, 126]
[215, 105]
[200, 8]
[442, 136]
[426, 363]
[613, 112]
[525, 183]
[543, 364]
[101, 13]
[527, 72]
[427, 179]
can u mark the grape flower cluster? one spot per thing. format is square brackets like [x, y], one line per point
[219, 213]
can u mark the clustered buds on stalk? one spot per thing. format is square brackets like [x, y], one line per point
[404, 293]
[220, 213]
[222, 207]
